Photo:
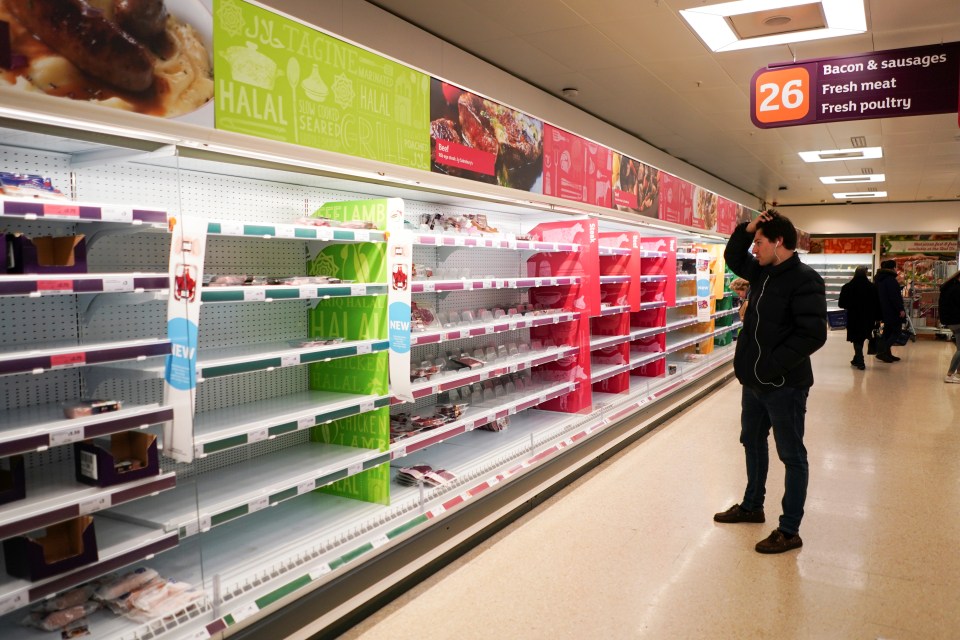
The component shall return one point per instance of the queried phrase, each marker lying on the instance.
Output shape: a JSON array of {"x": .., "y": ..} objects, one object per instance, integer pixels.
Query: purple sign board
[{"x": 885, "y": 84}]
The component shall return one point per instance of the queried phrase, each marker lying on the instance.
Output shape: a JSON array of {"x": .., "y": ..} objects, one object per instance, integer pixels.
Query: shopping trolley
[{"x": 907, "y": 331}]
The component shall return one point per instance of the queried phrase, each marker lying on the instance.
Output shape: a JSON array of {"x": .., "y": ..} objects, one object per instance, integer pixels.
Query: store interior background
[{"x": 643, "y": 77}]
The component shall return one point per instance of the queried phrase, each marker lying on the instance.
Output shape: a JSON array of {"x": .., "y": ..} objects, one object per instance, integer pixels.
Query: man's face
[{"x": 764, "y": 249}]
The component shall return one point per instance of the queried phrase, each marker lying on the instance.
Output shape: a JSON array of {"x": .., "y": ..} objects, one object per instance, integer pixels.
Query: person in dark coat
[
  {"x": 891, "y": 309},
  {"x": 785, "y": 323},
  {"x": 949, "y": 306},
  {"x": 859, "y": 297}
]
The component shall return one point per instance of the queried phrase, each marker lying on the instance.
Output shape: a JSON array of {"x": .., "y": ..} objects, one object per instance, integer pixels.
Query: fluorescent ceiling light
[
  {"x": 714, "y": 26},
  {"x": 832, "y": 155},
  {"x": 860, "y": 194},
  {"x": 854, "y": 179}
]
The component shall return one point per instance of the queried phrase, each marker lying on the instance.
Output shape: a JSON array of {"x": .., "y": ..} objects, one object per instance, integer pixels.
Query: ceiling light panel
[
  {"x": 854, "y": 179},
  {"x": 714, "y": 23},
  {"x": 860, "y": 194},
  {"x": 833, "y": 155}
]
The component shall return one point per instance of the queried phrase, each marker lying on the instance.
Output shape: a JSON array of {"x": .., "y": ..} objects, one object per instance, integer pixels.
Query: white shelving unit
[{"x": 245, "y": 521}]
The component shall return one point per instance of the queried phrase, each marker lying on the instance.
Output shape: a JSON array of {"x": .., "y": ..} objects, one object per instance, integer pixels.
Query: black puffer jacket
[
  {"x": 859, "y": 297},
  {"x": 786, "y": 319},
  {"x": 950, "y": 302},
  {"x": 891, "y": 299}
]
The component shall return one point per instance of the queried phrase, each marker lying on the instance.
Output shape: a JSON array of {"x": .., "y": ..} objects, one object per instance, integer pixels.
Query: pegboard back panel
[
  {"x": 116, "y": 321},
  {"x": 28, "y": 390},
  {"x": 147, "y": 391},
  {"x": 269, "y": 258},
  {"x": 250, "y": 387},
  {"x": 226, "y": 325}
]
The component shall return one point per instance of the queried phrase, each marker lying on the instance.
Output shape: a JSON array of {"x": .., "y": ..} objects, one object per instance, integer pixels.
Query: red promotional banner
[
  {"x": 727, "y": 213},
  {"x": 576, "y": 169},
  {"x": 820, "y": 244},
  {"x": 676, "y": 200}
]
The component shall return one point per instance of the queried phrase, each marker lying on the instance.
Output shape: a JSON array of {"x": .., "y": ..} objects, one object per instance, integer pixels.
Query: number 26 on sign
[{"x": 781, "y": 95}]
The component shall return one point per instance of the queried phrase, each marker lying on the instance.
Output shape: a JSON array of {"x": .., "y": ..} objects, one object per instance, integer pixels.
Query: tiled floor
[{"x": 631, "y": 551}]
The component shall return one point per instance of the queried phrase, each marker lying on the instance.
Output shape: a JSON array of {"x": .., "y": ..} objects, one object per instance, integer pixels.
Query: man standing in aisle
[
  {"x": 891, "y": 307},
  {"x": 786, "y": 321}
]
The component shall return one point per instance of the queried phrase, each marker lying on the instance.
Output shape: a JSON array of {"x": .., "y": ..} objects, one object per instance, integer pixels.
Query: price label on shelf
[
  {"x": 116, "y": 214},
  {"x": 285, "y": 231},
  {"x": 367, "y": 406},
  {"x": 458, "y": 241},
  {"x": 512, "y": 368},
  {"x": 358, "y": 290},
  {"x": 429, "y": 287},
  {"x": 319, "y": 572},
  {"x": 362, "y": 235},
  {"x": 363, "y": 349},
  {"x": 308, "y": 292},
  {"x": 12, "y": 603},
  {"x": 290, "y": 360},
  {"x": 244, "y": 612},
  {"x": 116, "y": 284},
  {"x": 54, "y": 285},
  {"x": 206, "y": 522},
  {"x": 94, "y": 504},
  {"x": 68, "y": 360},
  {"x": 306, "y": 487},
  {"x": 379, "y": 541},
  {"x": 231, "y": 228},
  {"x": 201, "y": 634},
  {"x": 355, "y": 468},
  {"x": 257, "y": 436},
  {"x": 254, "y": 295},
  {"x": 488, "y": 330},
  {"x": 306, "y": 422},
  {"x": 399, "y": 452},
  {"x": 438, "y": 510},
  {"x": 61, "y": 210},
  {"x": 66, "y": 436},
  {"x": 258, "y": 504}
]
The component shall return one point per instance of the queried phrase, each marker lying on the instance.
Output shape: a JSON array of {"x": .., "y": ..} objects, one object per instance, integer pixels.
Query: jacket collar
[{"x": 789, "y": 263}]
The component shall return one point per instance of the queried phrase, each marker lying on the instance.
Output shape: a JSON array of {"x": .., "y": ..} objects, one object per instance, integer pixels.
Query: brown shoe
[
  {"x": 736, "y": 513},
  {"x": 778, "y": 542}
]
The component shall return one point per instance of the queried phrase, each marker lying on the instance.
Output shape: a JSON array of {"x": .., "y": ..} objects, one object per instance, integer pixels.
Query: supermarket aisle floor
[{"x": 631, "y": 551}]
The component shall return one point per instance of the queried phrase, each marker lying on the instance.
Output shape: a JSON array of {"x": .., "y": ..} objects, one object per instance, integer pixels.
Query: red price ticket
[
  {"x": 54, "y": 285},
  {"x": 62, "y": 210},
  {"x": 68, "y": 360}
]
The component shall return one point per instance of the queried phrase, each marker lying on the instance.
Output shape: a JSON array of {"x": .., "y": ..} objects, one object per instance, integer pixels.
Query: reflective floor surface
[{"x": 631, "y": 551}]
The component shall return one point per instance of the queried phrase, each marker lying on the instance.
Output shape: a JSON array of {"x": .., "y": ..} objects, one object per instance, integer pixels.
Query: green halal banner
[{"x": 280, "y": 79}]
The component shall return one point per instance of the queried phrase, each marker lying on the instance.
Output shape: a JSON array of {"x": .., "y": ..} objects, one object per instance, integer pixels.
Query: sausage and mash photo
[{"x": 148, "y": 56}]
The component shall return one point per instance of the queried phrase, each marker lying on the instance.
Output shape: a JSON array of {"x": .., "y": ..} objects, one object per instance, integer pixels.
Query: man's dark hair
[{"x": 779, "y": 227}]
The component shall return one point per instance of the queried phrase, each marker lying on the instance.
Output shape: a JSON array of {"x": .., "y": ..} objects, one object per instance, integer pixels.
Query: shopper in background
[
  {"x": 859, "y": 298},
  {"x": 742, "y": 288},
  {"x": 891, "y": 308},
  {"x": 949, "y": 305},
  {"x": 785, "y": 323}
]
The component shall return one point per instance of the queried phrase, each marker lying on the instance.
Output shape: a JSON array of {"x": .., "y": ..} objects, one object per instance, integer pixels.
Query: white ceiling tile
[
  {"x": 531, "y": 16},
  {"x": 578, "y": 47}
]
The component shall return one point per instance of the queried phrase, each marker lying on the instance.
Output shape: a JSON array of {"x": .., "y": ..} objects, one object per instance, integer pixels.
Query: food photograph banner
[
  {"x": 479, "y": 139},
  {"x": 277, "y": 78},
  {"x": 142, "y": 63},
  {"x": 636, "y": 186},
  {"x": 576, "y": 169}
]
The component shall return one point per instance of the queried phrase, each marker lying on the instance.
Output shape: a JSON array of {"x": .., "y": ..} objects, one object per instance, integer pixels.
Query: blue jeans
[{"x": 782, "y": 409}]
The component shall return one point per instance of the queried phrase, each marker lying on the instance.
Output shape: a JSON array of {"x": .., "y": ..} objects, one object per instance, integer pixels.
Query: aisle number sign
[{"x": 885, "y": 84}]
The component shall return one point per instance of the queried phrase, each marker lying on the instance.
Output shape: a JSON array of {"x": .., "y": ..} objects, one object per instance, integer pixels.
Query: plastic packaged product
[
  {"x": 72, "y": 598},
  {"x": 125, "y": 584},
  {"x": 467, "y": 316},
  {"x": 357, "y": 224},
  {"x": 491, "y": 353},
  {"x": 84, "y": 408},
  {"x": 503, "y": 351},
  {"x": 422, "y": 317},
  {"x": 439, "y": 477},
  {"x": 485, "y": 315},
  {"x": 513, "y": 349},
  {"x": 52, "y": 621},
  {"x": 227, "y": 280},
  {"x": 315, "y": 222},
  {"x": 316, "y": 342},
  {"x": 28, "y": 185},
  {"x": 498, "y": 313}
]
